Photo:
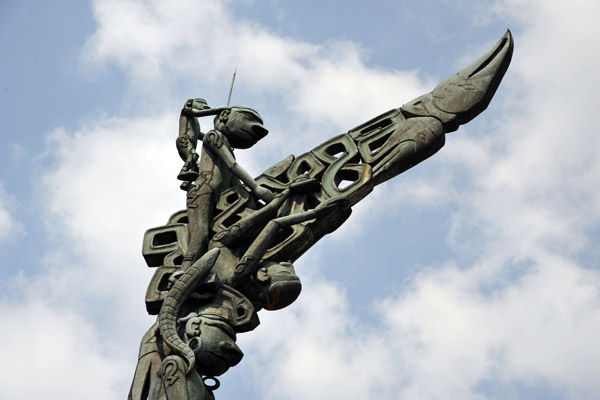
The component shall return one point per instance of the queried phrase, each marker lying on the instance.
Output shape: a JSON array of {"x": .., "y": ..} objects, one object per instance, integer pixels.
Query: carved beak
[
  {"x": 494, "y": 63},
  {"x": 461, "y": 97},
  {"x": 469, "y": 92}
]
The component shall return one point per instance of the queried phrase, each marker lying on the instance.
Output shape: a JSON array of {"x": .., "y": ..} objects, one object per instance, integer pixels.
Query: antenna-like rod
[{"x": 231, "y": 88}]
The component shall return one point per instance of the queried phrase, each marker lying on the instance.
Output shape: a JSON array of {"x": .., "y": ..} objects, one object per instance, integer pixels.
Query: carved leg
[
  {"x": 141, "y": 387},
  {"x": 199, "y": 210},
  {"x": 147, "y": 367}
]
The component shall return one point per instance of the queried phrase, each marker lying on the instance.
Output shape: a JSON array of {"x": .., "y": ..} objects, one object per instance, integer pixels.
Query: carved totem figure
[{"x": 228, "y": 255}]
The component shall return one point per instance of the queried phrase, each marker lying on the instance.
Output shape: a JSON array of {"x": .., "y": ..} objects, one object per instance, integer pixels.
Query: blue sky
[{"x": 474, "y": 275}]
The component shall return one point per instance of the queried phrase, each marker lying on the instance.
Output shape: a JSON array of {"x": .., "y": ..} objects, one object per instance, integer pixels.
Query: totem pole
[{"x": 229, "y": 254}]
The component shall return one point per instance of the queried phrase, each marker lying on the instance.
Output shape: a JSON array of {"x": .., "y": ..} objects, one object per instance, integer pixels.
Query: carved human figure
[{"x": 215, "y": 169}]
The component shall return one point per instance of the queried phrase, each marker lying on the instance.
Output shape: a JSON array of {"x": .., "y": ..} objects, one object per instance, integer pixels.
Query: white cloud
[
  {"x": 18, "y": 152},
  {"x": 442, "y": 337},
  {"x": 537, "y": 330},
  {"x": 112, "y": 181},
  {"x": 56, "y": 354},
  {"x": 9, "y": 225},
  {"x": 325, "y": 87},
  {"x": 109, "y": 183},
  {"x": 317, "y": 349}
]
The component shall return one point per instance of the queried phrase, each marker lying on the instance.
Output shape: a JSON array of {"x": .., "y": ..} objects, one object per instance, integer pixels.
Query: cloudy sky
[{"x": 474, "y": 275}]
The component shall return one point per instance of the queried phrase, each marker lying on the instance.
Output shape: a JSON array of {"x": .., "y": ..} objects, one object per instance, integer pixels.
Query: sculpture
[{"x": 230, "y": 253}]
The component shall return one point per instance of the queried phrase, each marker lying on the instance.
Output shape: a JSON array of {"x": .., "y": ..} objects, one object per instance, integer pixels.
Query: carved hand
[
  {"x": 195, "y": 105},
  {"x": 264, "y": 194}
]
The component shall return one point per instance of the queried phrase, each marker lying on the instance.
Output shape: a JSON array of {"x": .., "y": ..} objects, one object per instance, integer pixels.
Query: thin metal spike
[{"x": 231, "y": 88}]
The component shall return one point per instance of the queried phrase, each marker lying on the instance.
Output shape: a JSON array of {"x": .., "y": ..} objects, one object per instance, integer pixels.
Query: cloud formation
[
  {"x": 441, "y": 338},
  {"x": 9, "y": 225},
  {"x": 322, "y": 86}
]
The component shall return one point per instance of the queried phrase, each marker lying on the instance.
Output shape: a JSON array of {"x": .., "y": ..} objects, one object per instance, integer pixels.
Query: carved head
[
  {"x": 462, "y": 96},
  {"x": 277, "y": 285},
  {"x": 242, "y": 126},
  {"x": 210, "y": 326},
  {"x": 213, "y": 340}
]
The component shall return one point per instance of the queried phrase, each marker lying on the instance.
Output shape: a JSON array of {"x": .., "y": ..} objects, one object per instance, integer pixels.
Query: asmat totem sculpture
[{"x": 229, "y": 254}]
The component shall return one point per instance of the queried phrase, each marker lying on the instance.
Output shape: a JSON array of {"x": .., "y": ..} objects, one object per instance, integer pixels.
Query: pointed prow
[{"x": 461, "y": 97}]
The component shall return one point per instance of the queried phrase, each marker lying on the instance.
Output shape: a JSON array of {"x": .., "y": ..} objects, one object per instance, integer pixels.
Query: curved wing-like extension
[{"x": 182, "y": 288}]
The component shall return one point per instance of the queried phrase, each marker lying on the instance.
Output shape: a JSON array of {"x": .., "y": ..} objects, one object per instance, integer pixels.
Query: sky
[{"x": 474, "y": 275}]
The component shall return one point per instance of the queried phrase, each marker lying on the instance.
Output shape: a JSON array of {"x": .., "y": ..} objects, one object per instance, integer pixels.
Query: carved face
[
  {"x": 242, "y": 126},
  {"x": 277, "y": 285},
  {"x": 213, "y": 341}
]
